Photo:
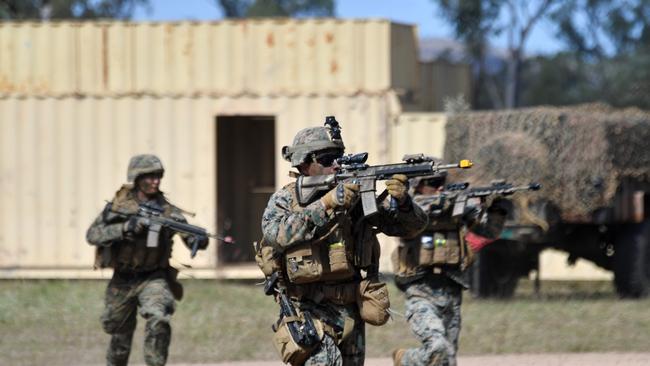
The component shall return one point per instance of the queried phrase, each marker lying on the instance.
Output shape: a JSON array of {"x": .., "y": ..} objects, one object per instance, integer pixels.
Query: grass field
[{"x": 57, "y": 323}]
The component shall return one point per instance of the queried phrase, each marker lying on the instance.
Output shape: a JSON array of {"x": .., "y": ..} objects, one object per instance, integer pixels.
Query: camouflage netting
[{"x": 579, "y": 154}]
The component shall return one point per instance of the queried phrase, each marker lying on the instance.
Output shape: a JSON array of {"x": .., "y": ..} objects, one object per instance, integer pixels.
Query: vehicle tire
[
  {"x": 632, "y": 260},
  {"x": 493, "y": 275}
]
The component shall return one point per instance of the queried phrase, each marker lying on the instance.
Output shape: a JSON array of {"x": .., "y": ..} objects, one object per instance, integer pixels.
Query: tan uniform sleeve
[
  {"x": 106, "y": 229},
  {"x": 284, "y": 227}
]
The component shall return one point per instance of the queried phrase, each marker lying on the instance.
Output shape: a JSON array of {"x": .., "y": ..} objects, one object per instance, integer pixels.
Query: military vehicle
[{"x": 593, "y": 162}]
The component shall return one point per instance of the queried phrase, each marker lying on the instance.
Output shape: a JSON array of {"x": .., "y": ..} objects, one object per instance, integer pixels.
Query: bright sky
[{"x": 422, "y": 13}]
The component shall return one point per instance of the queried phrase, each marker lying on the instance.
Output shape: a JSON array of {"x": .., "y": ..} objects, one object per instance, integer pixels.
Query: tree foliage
[
  {"x": 68, "y": 9},
  {"x": 607, "y": 55},
  {"x": 276, "y": 8},
  {"x": 601, "y": 28},
  {"x": 476, "y": 22},
  {"x": 566, "y": 78}
]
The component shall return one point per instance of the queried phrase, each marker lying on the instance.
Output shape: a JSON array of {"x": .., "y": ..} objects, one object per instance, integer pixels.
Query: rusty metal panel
[{"x": 279, "y": 57}]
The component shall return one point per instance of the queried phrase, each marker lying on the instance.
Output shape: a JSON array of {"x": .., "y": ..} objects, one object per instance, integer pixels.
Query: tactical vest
[
  {"x": 327, "y": 269},
  {"x": 442, "y": 246},
  {"x": 127, "y": 255},
  {"x": 325, "y": 258},
  {"x": 324, "y": 266}
]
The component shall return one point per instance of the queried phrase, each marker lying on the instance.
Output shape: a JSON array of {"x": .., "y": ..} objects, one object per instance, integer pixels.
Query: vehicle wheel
[
  {"x": 493, "y": 274},
  {"x": 632, "y": 260}
]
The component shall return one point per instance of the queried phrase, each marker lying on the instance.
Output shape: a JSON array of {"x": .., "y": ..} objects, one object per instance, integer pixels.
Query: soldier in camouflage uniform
[
  {"x": 330, "y": 253},
  {"x": 142, "y": 279},
  {"x": 431, "y": 269}
]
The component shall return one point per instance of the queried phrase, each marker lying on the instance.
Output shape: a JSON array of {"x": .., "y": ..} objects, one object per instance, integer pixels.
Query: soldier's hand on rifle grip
[
  {"x": 343, "y": 195},
  {"x": 397, "y": 187},
  {"x": 135, "y": 225},
  {"x": 471, "y": 215}
]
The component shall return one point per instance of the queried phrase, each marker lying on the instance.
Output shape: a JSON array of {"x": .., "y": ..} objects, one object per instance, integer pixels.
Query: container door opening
[{"x": 245, "y": 181}]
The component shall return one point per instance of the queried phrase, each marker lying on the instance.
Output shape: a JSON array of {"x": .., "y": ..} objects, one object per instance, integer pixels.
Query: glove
[
  {"x": 397, "y": 187},
  {"x": 471, "y": 215},
  {"x": 135, "y": 225},
  {"x": 487, "y": 231},
  {"x": 344, "y": 195}
]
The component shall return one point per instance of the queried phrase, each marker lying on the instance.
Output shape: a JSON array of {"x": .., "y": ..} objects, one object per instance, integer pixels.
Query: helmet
[
  {"x": 307, "y": 141},
  {"x": 143, "y": 164},
  {"x": 436, "y": 179}
]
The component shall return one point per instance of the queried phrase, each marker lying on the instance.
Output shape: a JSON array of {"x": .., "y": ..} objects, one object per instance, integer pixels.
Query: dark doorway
[{"x": 245, "y": 181}]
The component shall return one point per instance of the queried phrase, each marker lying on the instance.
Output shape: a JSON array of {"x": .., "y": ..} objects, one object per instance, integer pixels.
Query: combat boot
[{"x": 397, "y": 356}]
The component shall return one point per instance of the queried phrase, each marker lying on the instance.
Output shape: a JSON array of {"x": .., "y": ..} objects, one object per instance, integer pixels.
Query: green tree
[
  {"x": 476, "y": 22},
  {"x": 608, "y": 56},
  {"x": 566, "y": 78},
  {"x": 276, "y": 8},
  {"x": 472, "y": 23},
  {"x": 68, "y": 9},
  {"x": 600, "y": 28}
]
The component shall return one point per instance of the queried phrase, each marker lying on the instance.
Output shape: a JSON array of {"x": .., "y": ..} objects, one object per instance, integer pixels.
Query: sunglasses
[{"x": 327, "y": 160}]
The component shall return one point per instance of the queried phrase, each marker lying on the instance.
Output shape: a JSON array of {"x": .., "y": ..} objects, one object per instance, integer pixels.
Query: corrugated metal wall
[
  {"x": 259, "y": 57},
  {"x": 418, "y": 133},
  {"x": 61, "y": 159},
  {"x": 78, "y": 99}
]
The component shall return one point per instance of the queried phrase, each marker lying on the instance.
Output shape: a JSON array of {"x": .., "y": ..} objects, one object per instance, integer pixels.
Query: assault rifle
[
  {"x": 355, "y": 170},
  {"x": 152, "y": 213},
  {"x": 304, "y": 331},
  {"x": 460, "y": 194}
]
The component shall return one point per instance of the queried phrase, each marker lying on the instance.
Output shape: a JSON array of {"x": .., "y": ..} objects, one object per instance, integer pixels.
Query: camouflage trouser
[
  {"x": 350, "y": 350},
  {"x": 434, "y": 316},
  {"x": 156, "y": 305}
]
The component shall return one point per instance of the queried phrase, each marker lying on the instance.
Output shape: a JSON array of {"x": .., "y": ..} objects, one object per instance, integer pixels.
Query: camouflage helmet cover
[
  {"x": 143, "y": 164},
  {"x": 307, "y": 141}
]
